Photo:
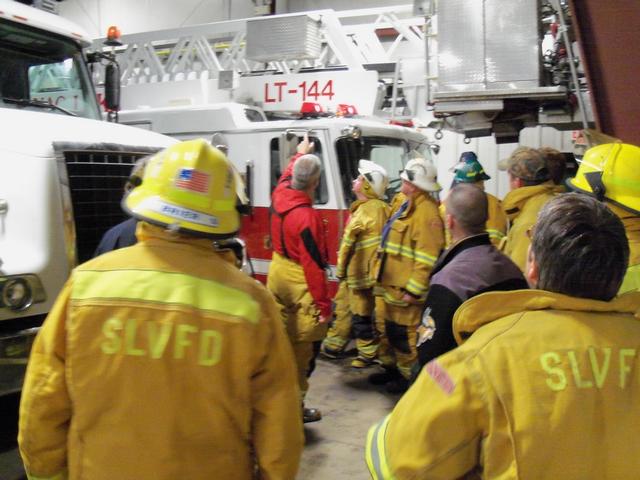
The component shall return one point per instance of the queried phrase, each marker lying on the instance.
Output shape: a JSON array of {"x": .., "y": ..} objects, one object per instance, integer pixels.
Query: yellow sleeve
[
  {"x": 428, "y": 240},
  {"x": 497, "y": 221},
  {"x": 45, "y": 406},
  {"x": 371, "y": 219},
  {"x": 447, "y": 234},
  {"x": 351, "y": 232},
  {"x": 517, "y": 243},
  {"x": 435, "y": 430},
  {"x": 277, "y": 431}
]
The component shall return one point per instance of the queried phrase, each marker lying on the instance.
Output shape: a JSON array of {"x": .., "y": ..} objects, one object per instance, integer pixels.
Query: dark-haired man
[{"x": 544, "y": 383}]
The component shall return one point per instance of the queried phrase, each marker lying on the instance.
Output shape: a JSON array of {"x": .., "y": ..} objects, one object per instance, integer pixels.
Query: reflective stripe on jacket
[
  {"x": 546, "y": 387},
  {"x": 412, "y": 247},
  {"x": 161, "y": 361},
  {"x": 522, "y": 206},
  {"x": 360, "y": 242}
]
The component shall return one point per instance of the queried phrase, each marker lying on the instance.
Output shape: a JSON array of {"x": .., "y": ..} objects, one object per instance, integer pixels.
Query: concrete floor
[{"x": 350, "y": 405}]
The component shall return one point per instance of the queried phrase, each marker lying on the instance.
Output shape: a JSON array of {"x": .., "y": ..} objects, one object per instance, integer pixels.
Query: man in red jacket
[{"x": 297, "y": 275}]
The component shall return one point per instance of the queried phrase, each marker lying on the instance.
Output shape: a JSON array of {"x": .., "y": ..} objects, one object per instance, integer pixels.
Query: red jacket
[{"x": 297, "y": 232}]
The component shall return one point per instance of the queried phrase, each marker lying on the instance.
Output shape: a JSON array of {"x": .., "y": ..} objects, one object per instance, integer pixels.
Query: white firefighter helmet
[
  {"x": 422, "y": 173},
  {"x": 375, "y": 176}
]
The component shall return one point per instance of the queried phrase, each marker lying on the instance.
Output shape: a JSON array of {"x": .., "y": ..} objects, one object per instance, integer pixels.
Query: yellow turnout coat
[{"x": 161, "y": 361}]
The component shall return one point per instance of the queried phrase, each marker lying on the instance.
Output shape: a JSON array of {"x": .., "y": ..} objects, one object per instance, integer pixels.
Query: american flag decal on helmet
[{"x": 194, "y": 180}]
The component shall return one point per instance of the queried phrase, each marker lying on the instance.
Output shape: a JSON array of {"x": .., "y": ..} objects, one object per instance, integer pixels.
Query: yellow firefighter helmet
[
  {"x": 191, "y": 187},
  {"x": 611, "y": 171}
]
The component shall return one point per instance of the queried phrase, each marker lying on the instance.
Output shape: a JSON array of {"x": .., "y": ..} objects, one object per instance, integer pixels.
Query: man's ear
[
  {"x": 449, "y": 221},
  {"x": 531, "y": 270}
]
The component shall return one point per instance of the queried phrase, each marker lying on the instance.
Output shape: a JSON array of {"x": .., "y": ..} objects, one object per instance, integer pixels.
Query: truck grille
[{"x": 96, "y": 184}]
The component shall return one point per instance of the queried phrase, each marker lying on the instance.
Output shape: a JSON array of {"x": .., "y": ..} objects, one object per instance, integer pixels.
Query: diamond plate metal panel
[
  {"x": 488, "y": 45},
  {"x": 460, "y": 45},
  {"x": 512, "y": 45},
  {"x": 295, "y": 37}
]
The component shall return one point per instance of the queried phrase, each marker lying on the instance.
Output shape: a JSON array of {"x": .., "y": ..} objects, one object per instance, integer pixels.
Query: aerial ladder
[{"x": 375, "y": 56}]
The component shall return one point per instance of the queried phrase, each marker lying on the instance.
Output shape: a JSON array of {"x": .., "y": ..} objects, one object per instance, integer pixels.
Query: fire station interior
[{"x": 379, "y": 80}]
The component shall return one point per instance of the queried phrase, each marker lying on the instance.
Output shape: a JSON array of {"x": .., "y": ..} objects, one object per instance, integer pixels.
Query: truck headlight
[
  {"x": 16, "y": 294},
  {"x": 19, "y": 292}
]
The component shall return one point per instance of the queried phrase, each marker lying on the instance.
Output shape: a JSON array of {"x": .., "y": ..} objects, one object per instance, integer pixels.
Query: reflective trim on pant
[
  {"x": 375, "y": 453},
  {"x": 339, "y": 332},
  {"x": 367, "y": 348}
]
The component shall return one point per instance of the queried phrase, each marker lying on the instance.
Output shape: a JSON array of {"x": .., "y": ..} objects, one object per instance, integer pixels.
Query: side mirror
[
  {"x": 112, "y": 87},
  {"x": 245, "y": 207}
]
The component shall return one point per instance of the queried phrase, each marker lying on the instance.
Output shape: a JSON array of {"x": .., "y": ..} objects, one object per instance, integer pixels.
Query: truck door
[{"x": 281, "y": 146}]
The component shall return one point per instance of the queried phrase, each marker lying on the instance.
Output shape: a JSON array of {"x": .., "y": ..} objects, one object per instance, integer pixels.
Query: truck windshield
[
  {"x": 39, "y": 70},
  {"x": 390, "y": 153}
]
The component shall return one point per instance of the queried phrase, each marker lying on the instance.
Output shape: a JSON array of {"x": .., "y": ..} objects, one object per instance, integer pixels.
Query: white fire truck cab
[{"x": 62, "y": 171}]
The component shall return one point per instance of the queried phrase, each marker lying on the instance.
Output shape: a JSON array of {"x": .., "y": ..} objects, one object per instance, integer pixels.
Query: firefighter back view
[
  {"x": 611, "y": 173},
  {"x": 163, "y": 360}
]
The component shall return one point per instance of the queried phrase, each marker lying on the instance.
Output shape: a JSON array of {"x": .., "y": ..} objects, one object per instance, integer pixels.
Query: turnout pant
[
  {"x": 397, "y": 326},
  {"x": 361, "y": 303},
  {"x": 287, "y": 283},
  {"x": 339, "y": 332}
]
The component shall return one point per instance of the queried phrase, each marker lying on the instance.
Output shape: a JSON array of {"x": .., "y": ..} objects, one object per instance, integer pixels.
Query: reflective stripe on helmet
[{"x": 155, "y": 204}]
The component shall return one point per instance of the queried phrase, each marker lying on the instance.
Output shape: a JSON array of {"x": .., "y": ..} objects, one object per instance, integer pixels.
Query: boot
[
  {"x": 389, "y": 374},
  {"x": 311, "y": 415},
  {"x": 330, "y": 353},
  {"x": 398, "y": 385}
]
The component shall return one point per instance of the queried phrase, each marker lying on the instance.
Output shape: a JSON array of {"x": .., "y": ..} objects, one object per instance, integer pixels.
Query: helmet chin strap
[
  {"x": 368, "y": 191},
  {"x": 594, "y": 179}
]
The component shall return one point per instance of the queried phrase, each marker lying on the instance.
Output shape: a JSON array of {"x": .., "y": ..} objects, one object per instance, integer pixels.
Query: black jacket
[
  {"x": 470, "y": 267},
  {"x": 120, "y": 236}
]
